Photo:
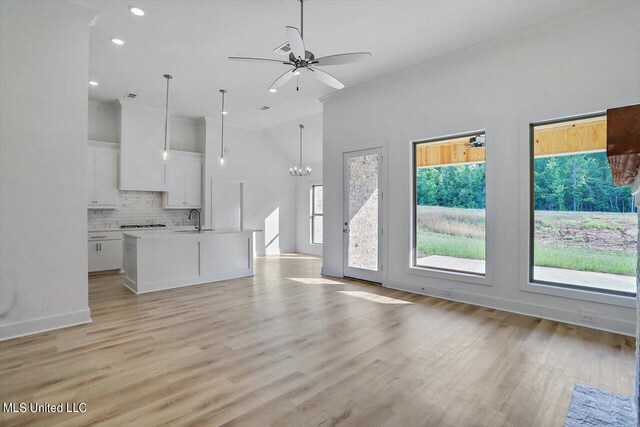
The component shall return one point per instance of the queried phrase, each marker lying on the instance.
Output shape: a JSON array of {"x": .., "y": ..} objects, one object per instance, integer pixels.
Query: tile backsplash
[{"x": 137, "y": 207}]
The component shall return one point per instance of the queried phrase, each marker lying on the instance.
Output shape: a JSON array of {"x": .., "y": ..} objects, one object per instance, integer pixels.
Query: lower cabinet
[{"x": 105, "y": 254}]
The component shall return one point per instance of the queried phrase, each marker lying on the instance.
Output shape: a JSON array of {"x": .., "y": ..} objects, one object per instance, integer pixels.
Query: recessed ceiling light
[
  {"x": 93, "y": 83},
  {"x": 136, "y": 11},
  {"x": 272, "y": 90},
  {"x": 225, "y": 113},
  {"x": 117, "y": 41}
]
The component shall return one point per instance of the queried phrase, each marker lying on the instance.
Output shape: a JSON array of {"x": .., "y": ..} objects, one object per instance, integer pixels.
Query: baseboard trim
[
  {"x": 307, "y": 253},
  {"x": 331, "y": 272},
  {"x": 44, "y": 324},
  {"x": 618, "y": 326}
]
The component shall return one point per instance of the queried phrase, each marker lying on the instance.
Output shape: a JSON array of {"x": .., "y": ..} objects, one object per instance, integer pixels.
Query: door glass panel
[{"x": 363, "y": 212}]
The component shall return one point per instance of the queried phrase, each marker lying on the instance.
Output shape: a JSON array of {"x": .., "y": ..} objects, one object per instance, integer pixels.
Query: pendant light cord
[
  {"x": 166, "y": 112},
  {"x": 301, "y": 127}
]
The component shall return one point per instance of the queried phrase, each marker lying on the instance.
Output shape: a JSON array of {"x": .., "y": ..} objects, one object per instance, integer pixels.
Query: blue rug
[{"x": 593, "y": 407}]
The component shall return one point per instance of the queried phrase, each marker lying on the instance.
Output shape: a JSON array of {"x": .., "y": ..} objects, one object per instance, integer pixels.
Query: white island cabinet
[{"x": 158, "y": 260}]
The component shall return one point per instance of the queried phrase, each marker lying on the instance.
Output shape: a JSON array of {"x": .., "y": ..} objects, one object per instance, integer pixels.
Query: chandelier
[{"x": 298, "y": 170}]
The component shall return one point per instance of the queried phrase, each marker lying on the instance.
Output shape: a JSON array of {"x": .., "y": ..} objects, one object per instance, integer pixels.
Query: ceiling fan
[{"x": 300, "y": 58}]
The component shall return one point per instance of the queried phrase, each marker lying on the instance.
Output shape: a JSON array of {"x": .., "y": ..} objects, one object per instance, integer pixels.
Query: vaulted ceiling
[{"x": 192, "y": 39}]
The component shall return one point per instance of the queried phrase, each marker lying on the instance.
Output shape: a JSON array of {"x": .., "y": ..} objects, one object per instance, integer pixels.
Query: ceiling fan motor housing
[{"x": 309, "y": 57}]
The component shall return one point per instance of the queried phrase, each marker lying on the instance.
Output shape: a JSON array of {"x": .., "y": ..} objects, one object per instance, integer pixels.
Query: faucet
[{"x": 199, "y": 226}]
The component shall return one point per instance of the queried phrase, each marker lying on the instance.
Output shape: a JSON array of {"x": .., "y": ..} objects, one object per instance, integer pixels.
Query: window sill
[
  {"x": 579, "y": 294},
  {"x": 449, "y": 275}
]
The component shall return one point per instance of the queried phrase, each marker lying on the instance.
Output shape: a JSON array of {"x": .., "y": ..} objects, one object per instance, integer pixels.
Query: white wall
[
  {"x": 269, "y": 192},
  {"x": 579, "y": 64},
  {"x": 104, "y": 121},
  {"x": 104, "y": 125},
  {"x": 184, "y": 135},
  {"x": 287, "y": 137},
  {"x": 44, "y": 59}
]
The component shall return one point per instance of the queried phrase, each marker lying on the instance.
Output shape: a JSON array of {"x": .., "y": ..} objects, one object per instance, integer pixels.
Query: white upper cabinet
[
  {"x": 141, "y": 146},
  {"x": 184, "y": 180},
  {"x": 102, "y": 175}
]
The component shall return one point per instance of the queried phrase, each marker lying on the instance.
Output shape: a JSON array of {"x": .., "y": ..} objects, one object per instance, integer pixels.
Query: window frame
[
  {"x": 556, "y": 288},
  {"x": 313, "y": 214},
  {"x": 445, "y": 273}
]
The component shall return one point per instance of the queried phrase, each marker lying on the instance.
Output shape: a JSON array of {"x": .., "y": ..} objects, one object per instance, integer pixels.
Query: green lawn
[
  {"x": 599, "y": 260},
  {"x": 447, "y": 245},
  {"x": 575, "y": 241}
]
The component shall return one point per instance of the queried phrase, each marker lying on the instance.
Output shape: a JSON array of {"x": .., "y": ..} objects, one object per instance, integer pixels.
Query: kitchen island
[{"x": 163, "y": 259}]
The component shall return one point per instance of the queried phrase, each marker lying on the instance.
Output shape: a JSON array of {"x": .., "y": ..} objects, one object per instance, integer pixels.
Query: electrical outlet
[{"x": 588, "y": 316}]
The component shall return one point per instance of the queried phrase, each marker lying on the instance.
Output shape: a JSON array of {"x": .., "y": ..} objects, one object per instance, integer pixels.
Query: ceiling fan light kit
[{"x": 300, "y": 58}]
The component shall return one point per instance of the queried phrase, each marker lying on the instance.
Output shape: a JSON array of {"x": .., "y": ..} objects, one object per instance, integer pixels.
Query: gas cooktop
[{"x": 143, "y": 226}]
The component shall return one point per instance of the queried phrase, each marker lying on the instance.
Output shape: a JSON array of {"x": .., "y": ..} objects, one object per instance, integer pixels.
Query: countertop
[
  {"x": 122, "y": 230},
  {"x": 142, "y": 234}
]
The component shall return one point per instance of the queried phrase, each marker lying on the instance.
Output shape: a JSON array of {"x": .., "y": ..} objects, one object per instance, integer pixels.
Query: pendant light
[
  {"x": 223, "y": 113},
  {"x": 165, "y": 153},
  {"x": 297, "y": 170}
]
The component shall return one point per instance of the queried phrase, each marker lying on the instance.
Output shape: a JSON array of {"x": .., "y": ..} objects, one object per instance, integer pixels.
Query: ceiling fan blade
[
  {"x": 281, "y": 80},
  {"x": 295, "y": 42},
  {"x": 326, "y": 78},
  {"x": 343, "y": 58},
  {"x": 247, "y": 59}
]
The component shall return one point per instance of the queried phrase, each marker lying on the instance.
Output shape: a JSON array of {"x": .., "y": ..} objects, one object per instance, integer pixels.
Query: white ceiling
[{"x": 192, "y": 39}]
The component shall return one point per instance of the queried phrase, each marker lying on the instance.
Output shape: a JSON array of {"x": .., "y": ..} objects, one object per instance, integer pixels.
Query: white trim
[
  {"x": 585, "y": 295},
  {"x": 512, "y": 306},
  {"x": 180, "y": 154},
  {"x": 103, "y": 145},
  {"x": 44, "y": 324},
  {"x": 454, "y": 276}
]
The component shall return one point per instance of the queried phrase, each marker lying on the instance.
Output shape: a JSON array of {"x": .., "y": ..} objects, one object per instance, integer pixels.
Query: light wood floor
[{"x": 291, "y": 348}]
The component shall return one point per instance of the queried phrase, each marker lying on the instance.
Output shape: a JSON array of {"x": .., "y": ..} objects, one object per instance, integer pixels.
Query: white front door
[{"x": 362, "y": 223}]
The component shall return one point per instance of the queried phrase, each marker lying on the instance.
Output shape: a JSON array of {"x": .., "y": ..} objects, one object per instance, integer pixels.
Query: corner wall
[
  {"x": 582, "y": 63},
  {"x": 269, "y": 192},
  {"x": 44, "y": 60},
  {"x": 286, "y": 136}
]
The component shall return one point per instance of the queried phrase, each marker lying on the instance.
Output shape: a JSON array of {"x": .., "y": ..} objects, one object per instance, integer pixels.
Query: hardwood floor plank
[{"x": 289, "y": 347}]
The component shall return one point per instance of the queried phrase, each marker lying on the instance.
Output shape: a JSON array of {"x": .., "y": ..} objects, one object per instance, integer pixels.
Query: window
[
  {"x": 583, "y": 228},
  {"x": 449, "y": 204},
  {"x": 316, "y": 214}
]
